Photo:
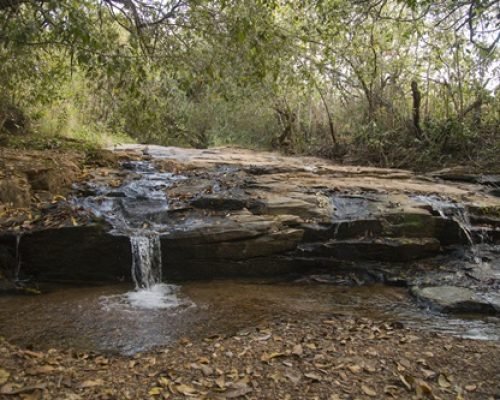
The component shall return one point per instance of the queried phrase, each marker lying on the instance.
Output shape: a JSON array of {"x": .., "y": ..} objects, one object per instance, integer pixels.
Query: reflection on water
[{"x": 114, "y": 318}]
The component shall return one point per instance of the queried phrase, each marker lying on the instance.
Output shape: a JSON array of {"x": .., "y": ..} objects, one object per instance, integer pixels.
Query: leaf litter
[{"x": 346, "y": 358}]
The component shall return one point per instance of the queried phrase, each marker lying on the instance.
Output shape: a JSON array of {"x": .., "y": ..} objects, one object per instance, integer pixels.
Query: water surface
[{"x": 118, "y": 319}]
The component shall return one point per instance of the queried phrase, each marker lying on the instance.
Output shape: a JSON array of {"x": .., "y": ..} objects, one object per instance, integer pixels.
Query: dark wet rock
[
  {"x": 8, "y": 260},
  {"x": 383, "y": 249},
  {"x": 75, "y": 254},
  {"x": 271, "y": 266},
  {"x": 490, "y": 179},
  {"x": 495, "y": 192},
  {"x": 219, "y": 202},
  {"x": 456, "y": 299},
  {"x": 252, "y": 247}
]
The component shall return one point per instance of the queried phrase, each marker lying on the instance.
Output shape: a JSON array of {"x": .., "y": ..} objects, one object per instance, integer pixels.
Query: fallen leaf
[
  {"x": 428, "y": 374},
  {"x": 407, "y": 381},
  {"x": 443, "y": 381},
  {"x": 163, "y": 381},
  {"x": 293, "y": 376},
  {"x": 4, "y": 376},
  {"x": 470, "y": 388},
  {"x": 233, "y": 394},
  {"x": 185, "y": 389},
  {"x": 44, "y": 369},
  {"x": 297, "y": 350},
  {"x": 422, "y": 389},
  {"x": 155, "y": 391},
  {"x": 17, "y": 389},
  {"x": 267, "y": 357},
  {"x": 368, "y": 391},
  {"x": 91, "y": 383},
  {"x": 313, "y": 376},
  {"x": 221, "y": 382},
  {"x": 354, "y": 368}
]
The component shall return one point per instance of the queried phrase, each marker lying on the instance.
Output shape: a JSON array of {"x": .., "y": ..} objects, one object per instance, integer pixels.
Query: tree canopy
[{"x": 365, "y": 78}]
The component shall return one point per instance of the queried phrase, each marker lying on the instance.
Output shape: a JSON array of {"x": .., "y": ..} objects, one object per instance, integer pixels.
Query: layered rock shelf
[{"x": 234, "y": 212}]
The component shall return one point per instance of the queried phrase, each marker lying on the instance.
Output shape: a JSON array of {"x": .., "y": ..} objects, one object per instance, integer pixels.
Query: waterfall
[
  {"x": 138, "y": 209},
  {"x": 146, "y": 260},
  {"x": 457, "y": 213}
]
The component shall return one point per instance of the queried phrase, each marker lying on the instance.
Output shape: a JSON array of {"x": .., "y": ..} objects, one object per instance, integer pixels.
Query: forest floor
[{"x": 323, "y": 357}]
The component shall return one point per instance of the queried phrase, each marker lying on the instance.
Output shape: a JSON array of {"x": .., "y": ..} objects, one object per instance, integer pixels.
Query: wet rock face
[
  {"x": 231, "y": 212},
  {"x": 75, "y": 254}
]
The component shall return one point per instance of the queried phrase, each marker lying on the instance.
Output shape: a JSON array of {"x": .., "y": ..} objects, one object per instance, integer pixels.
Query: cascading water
[
  {"x": 146, "y": 261},
  {"x": 138, "y": 208},
  {"x": 458, "y": 213}
]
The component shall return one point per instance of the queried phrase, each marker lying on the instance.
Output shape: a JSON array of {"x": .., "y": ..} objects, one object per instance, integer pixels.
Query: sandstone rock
[
  {"x": 265, "y": 245},
  {"x": 456, "y": 299},
  {"x": 378, "y": 249}
]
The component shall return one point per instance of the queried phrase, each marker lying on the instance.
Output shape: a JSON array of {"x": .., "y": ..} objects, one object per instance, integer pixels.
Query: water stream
[
  {"x": 138, "y": 208},
  {"x": 118, "y": 319},
  {"x": 108, "y": 319},
  {"x": 146, "y": 261}
]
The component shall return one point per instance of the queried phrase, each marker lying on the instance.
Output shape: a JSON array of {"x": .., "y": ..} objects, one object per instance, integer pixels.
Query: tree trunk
[{"x": 417, "y": 97}]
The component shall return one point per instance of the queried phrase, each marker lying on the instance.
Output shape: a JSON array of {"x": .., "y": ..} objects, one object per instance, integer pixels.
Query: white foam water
[{"x": 160, "y": 296}]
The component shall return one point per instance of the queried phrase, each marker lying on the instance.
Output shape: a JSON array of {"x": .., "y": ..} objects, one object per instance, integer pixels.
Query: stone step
[{"x": 376, "y": 249}]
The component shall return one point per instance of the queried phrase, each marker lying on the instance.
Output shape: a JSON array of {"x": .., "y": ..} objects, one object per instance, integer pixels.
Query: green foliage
[{"x": 294, "y": 75}]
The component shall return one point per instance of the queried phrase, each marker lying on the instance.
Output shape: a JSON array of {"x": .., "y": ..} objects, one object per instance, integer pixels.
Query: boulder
[{"x": 456, "y": 299}]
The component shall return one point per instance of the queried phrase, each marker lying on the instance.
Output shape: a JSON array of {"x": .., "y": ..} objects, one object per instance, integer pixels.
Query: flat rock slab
[{"x": 456, "y": 299}]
